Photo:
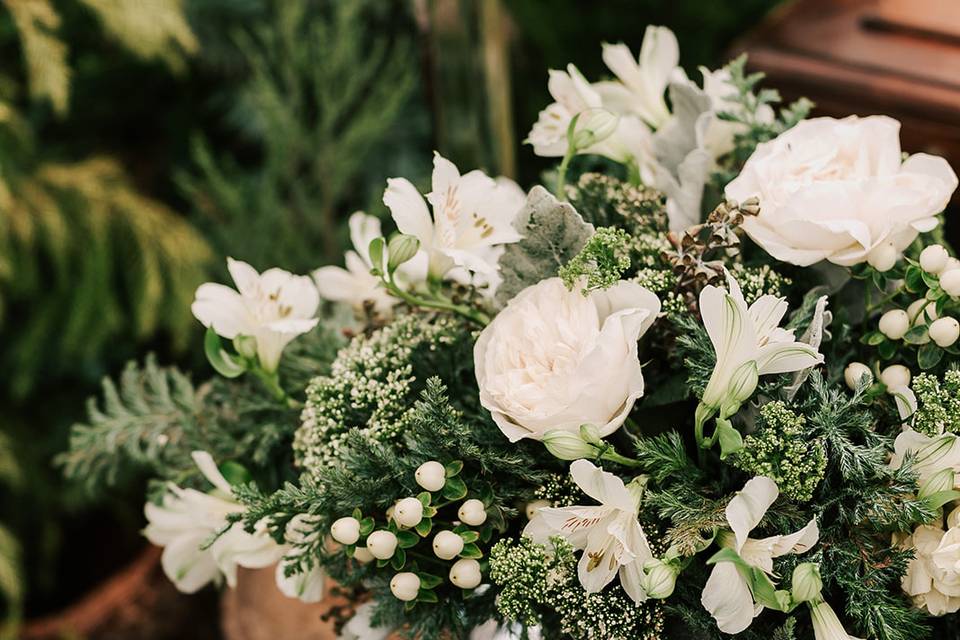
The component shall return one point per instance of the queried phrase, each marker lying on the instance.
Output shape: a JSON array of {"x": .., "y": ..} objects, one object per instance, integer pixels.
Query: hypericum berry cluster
[
  {"x": 781, "y": 450},
  {"x": 372, "y": 387},
  {"x": 416, "y": 520},
  {"x": 939, "y": 403},
  {"x": 541, "y": 587}
]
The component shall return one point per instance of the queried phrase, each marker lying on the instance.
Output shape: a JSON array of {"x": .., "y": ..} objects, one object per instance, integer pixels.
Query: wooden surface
[{"x": 895, "y": 57}]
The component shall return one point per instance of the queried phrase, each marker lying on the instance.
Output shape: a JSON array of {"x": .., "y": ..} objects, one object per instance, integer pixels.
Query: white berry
[
  {"x": 894, "y": 324},
  {"x": 431, "y": 476},
  {"x": 472, "y": 513},
  {"x": 883, "y": 257},
  {"x": 405, "y": 586},
  {"x": 465, "y": 573},
  {"x": 934, "y": 258},
  {"x": 362, "y": 555},
  {"x": 533, "y": 507},
  {"x": 408, "y": 512},
  {"x": 950, "y": 282},
  {"x": 447, "y": 545},
  {"x": 945, "y": 332},
  {"x": 896, "y": 375},
  {"x": 929, "y": 311},
  {"x": 855, "y": 372},
  {"x": 346, "y": 530},
  {"x": 382, "y": 544}
]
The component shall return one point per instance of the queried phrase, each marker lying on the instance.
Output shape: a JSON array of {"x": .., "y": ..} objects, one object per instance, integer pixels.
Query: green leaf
[
  {"x": 471, "y": 551},
  {"x": 929, "y": 356},
  {"x": 428, "y": 580},
  {"x": 424, "y": 497},
  {"x": 454, "y": 489},
  {"x": 917, "y": 335},
  {"x": 235, "y": 473},
  {"x": 407, "y": 539},
  {"x": 426, "y": 595},
  {"x": 730, "y": 439},
  {"x": 469, "y": 536},
  {"x": 887, "y": 349},
  {"x": 553, "y": 233},
  {"x": 932, "y": 281},
  {"x": 429, "y": 512},
  {"x": 366, "y": 525},
  {"x": 357, "y": 513},
  {"x": 453, "y": 468},
  {"x": 914, "y": 279},
  {"x": 873, "y": 338},
  {"x": 940, "y": 498},
  {"x": 222, "y": 362},
  {"x": 424, "y": 527},
  {"x": 398, "y": 560}
]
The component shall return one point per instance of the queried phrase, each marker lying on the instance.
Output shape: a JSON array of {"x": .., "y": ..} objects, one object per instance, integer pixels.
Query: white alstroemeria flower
[
  {"x": 727, "y": 595},
  {"x": 188, "y": 519},
  {"x": 645, "y": 80},
  {"x": 609, "y": 534},
  {"x": 273, "y": 307},
  {"x": 748, "y": 343},
  {"x": 826, "y": 624},
  {"x": 930, "y": 455},
  {"x": 355, "y": 285},
  {"x": 471, "y": 214},
  {"x": 621, "y": 137}
]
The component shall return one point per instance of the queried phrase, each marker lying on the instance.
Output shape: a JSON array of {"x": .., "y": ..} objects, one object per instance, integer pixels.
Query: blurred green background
[{"x": 141, "y": 141}]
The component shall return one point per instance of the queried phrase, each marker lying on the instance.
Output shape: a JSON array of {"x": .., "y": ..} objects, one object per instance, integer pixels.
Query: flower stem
[
  {"x": 613, "y": 456},
  {"x": 562, "y": 172},
  {"x": 438, "y": 303},
  {"x": 272, "y": 382}
]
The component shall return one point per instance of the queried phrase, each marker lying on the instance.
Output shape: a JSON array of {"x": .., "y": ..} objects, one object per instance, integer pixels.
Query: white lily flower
[
  {"x": 188, "y": 519},
  {"x": 826, "y": 624},
  {"x": 355, "y": 285},
  {"x": 930, "y": 454},
  {"x": 748, "y": 343},
  {"x": 645, "y": 80},
  {"x": 719, "y": 134},
  {"x": 621, "y": 137},
  {"x": 472, "y": 213},
  {"x": 273, "y": 307},
  {"x": 727, "y": 594},
  {"x": 609, "y": 534}
]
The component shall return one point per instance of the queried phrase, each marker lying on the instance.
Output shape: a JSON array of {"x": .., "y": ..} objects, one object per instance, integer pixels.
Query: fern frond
[{"x": 45, "y": 55}]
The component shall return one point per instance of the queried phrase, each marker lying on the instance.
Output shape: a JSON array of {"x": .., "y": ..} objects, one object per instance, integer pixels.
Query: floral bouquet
[{"x": 705, "y": 384}]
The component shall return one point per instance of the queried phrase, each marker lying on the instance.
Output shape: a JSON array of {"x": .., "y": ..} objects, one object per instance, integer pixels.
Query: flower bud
[
  {"x": 929, "y": 312},
  {"x": 346, "y": 530},
  {"x": 465, "y": 573},
  {"x": 942, "y": 480},
  {"x": 934, "y": 258},
  {"x": 593, "y": 126},
  {"x": 472, "y": 512},
  {"x": 400, "y": 249},
  {"x": 883, "y": 257},
  {"x": 944, "y": 332},
  {"x": 743, "y": 383},
  {"x": 534, "y": 507},
  {"x": 894, "y": 324},
  {"x": 950, "y": 282},
  {"x": 431, "y": 476},
  {"x": 807, "y": 584},
  {"x": 408, "y": 512},
  {"x": 567, "y": 446},
  {"x": 246, "y": 346},
  {"x": 447, "y": 545},
  {"x": 382, "y": 544},
  {"x": 405, "y": 586},
  {"x": 591, "y": 435},
  {"x": 659, "y": 580},
  {"x": 855, "y": 372},
  {"x": 894, "y": 376}
]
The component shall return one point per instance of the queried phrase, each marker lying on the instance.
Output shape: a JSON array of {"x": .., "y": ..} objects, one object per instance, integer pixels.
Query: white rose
[
  {"x": 556, "y": 359},
  {"x": 933, "y": 575},
  {"x": 836, "y": 189}
]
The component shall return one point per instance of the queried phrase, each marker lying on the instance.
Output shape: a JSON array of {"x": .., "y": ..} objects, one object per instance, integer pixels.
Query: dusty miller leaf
[{"x": 553, "y": 233}]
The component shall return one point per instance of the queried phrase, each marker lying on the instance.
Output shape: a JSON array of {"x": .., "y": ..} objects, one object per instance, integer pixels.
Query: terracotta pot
[
  {"x": 257, "y": 610},
  {"x": 136, "y": 602},
  {"x": 122, "y": 597}
]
